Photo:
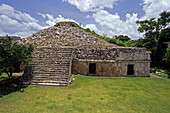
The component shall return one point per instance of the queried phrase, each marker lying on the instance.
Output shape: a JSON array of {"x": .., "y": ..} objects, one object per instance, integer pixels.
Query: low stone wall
[{"x": 111, "y": 68}]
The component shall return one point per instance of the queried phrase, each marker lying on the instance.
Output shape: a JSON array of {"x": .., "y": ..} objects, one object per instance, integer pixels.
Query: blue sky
[{"x": 112, "y": 17}]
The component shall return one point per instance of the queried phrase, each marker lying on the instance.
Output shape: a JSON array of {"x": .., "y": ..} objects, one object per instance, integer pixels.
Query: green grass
[{"x": 93, "y": 94}]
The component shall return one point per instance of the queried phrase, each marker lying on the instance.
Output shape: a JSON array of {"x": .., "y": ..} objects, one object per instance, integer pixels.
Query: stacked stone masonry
[
  {"x": 117, "y": 54},
  {"x": 111, "y": 61},
  {"x": 49, "y": 66}
]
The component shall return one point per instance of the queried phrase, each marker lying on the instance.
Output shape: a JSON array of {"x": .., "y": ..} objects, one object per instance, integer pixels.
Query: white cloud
[
  {"x": 88, "y": 16},
  {"x": 153, "y": 8},
  {"x": 52, "y": 21},
  {"x": 13, "y": 27},
  {"x": 92, "y": 5},
  {"x": 8, "y": 23},
  {"x": 12, "y": 13},
  {"x": 13, "y": 22},
  {"x": 2, "y": 33},
  {"x": 93, "y": 27},
  {"x": 113, "y": 25}
]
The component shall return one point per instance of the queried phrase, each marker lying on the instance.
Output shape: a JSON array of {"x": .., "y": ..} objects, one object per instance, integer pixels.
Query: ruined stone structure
[
  {"x": 111, "y": 61},
  {"x": 66, "y": 48}
]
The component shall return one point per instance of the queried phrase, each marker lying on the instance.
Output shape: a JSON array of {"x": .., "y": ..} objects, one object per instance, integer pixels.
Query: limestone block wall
[
  {"x": 111, "y": 68},
  {"x": 137, "y": 56},
  {"x": 117, "y": 54}
]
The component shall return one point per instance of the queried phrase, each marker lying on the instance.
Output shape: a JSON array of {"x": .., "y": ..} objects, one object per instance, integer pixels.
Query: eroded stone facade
[
  {"x": 111, "y": 68},
  {"x": 111, "y": 61}
]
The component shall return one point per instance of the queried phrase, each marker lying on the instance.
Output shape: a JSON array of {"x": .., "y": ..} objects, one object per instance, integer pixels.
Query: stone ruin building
[{"x": 66, "y": 49}]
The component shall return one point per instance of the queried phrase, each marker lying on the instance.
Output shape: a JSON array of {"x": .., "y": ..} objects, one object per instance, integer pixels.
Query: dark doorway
[
  {"x": 92, "y": 68},
  {"x": 130, "y": 69}
]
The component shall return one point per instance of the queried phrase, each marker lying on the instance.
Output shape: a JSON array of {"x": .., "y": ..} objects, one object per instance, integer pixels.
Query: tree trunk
[{"x": 10, "y": 73}]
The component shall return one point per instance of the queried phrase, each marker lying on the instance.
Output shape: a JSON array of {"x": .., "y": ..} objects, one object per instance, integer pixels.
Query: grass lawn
[{"x": 93, "y": 94}]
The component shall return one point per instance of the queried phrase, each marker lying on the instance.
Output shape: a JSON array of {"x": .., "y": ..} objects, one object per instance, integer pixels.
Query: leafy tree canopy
[
  {"x": 122, "y": 38},
  {"x": 12, "y": 54},
  {"x": 156, "y": 36}
]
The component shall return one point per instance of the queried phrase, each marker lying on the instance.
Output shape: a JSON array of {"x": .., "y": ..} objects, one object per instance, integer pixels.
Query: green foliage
[
  {"x": 161, "y": 72},
  {"x": 119, "y": 42},
  {"x": 122, "y": 38},
  {"x": 12, "y": 55},
  {"x": 156, "y": 35},
  {"x": 87, "y": 29},
  {"x": 167, "y": 54}
]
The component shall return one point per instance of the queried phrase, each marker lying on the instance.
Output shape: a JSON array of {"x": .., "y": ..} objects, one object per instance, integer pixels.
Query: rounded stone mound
[{"x": 66, "y": 34}]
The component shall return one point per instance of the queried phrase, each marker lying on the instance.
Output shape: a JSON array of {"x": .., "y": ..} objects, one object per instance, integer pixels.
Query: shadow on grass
[{"x": 8, "y": 86}]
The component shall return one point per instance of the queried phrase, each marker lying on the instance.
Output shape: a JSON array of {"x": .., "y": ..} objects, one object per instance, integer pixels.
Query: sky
[{"x": 111, "y": 17}]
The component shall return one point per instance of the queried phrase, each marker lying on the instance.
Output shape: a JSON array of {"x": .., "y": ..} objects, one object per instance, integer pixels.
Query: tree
[
  {"x": 122, "y": 38},
  {"x": 167, "y": 54},
  {"x": 156, "y": 35},
  {"x": 12, "y": 55}
]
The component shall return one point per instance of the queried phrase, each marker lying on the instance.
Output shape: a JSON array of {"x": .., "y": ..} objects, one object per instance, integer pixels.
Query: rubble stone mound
[{"x": 68, "y": 34}]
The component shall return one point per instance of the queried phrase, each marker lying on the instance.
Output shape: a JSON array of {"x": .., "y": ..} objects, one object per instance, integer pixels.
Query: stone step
[
  {"x": 51, "y": 69},
  {"x": 48, "y": 72},
  {"x": 41, "y": 62},
  {"x": 36, "y": 50},
  {"x": 48, "y": 62},
  {"x": 50, "y": 84},
  {"x": 52, "y": 76},
  {"x": 49, "y": 59},
  {"x": 57, "y": 68},
  {"x": 51, "y": 55},
  {"x": 50, "y": 66},
  {"x": 50, "y": 48},
  {"x": 53, "y": 49},
  {"x": 52, "y": 79},
  {"x": 48, "y": 81},
  {"x": 57, "y": 75},
  {"x": 47, "y": 77}
]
